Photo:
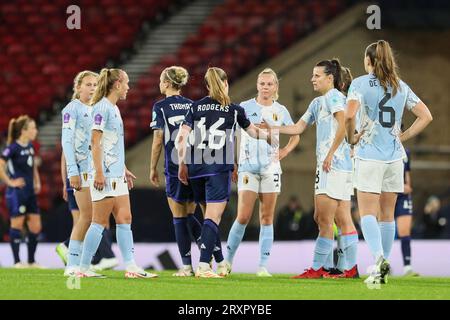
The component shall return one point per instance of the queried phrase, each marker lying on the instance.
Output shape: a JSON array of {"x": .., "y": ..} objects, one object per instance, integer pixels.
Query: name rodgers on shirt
[{"x": 212, "y": 107}]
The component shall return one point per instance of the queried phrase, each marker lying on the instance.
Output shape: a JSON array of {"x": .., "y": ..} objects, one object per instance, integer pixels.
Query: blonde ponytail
[
  {"x": 105, "y": 83},
  {"x": 215, "y": 78}
]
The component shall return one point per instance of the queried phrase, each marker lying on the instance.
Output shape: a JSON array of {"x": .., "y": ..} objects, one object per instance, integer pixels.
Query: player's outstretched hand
[{"x": 263, "y": 125}]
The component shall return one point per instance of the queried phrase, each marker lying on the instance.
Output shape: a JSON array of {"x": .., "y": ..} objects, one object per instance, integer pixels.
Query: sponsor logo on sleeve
[
  {"x": 98, "y": 119},
  {"x": 66, "y": 117},
  {"x": 6, "y": 152}
]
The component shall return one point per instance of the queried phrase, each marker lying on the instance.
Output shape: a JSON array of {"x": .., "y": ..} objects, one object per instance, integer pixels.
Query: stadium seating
[
  {"x": 237, "y": 36},
  {"x": 38, "y": 68}
]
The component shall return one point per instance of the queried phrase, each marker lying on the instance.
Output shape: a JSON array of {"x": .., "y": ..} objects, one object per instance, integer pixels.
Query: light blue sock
[
  {"x": 74, "y": 254},
  {"x": 350, "y": 249},
  {"x": 341, "y": 263},
  {"x": 265, "y": 244},
  {"x": 234, "y": 239},
  {"x": 372, "y": 235},
  {"x": 321, "y": 252},
  {"x": 329, "y": 263},
  {"x": 90, "y": 245},
  {"x": 125, "y": 242},
  {"x": 387, "y": 230}
]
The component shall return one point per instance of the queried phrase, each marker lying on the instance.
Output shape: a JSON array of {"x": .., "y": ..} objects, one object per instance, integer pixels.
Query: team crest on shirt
[
  {"x": 275, "y": 117},
  {"x": 245, "y": 180},
  {"x": 98, "y": 119}
]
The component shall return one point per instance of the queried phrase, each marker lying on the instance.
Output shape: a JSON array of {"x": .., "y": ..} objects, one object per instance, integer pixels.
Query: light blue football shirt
[
  {"x": 76, "y": 137},
  {"x": 257, "y": 156},
  {"x": 321, "y": 112},
  {"x": 107, "y": 119},
  {"x": 380, "y": 116}
]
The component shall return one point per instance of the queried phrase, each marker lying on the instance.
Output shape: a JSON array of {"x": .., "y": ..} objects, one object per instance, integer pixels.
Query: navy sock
[
  {"x": 209, "y": 236},
  {"x": 195, "y": 227},
  {"x": 15, "y": 238},
  {"x": 96, "y": 258},
  {"x": 66, "y": 242},
  {"x": 217, "y": 253},
  {"x": 32, "y": 245},
  {"x": 183, "y": 239},
  {"x": 406, "y": 250}
]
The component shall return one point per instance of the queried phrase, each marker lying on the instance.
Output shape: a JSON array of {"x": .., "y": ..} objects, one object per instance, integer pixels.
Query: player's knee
[
  {"x": 324, "y": 223},
  {"x": 124, "y": 219},
  {"x": 17, "y": 224},
  {"x": 243, "y": 218},
  {"x": 266, "y": 220},
  {"x": 403, "y": 232},
  {"x": 84, "y": 221},
  {"x": 35, "y": 228}
]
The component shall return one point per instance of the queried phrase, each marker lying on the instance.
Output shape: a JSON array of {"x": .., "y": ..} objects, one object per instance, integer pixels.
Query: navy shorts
[
  {"x": 216, "y": 188},
  {"x": 72, "y": 202},
  {"x": 177, "y": 191},
  {"x": 404, "y": 206},
  {"x": 21, "y": 202}
]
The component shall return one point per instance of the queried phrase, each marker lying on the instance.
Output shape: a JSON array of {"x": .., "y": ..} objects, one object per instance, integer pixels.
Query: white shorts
[
  {"x": 377, "y": 177},
  {"x": 259, "y": 183},
  {"x": 335, "y": 184},
  {"x": 114, "y": 187}
]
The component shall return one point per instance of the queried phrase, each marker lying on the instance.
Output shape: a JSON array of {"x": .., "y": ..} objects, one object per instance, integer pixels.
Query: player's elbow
[
  {"x": 348, "y": 116},
  {"x": 428, "y": 117}
]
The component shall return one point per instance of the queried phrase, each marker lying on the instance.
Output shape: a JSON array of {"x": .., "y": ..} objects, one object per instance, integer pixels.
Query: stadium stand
[{"x": 38, "y": 68}]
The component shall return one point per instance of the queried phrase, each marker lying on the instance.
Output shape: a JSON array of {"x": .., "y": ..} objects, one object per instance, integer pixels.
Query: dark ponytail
[
  {"x": 347, "y": 79},
  {"x": 334, "y": 68}
]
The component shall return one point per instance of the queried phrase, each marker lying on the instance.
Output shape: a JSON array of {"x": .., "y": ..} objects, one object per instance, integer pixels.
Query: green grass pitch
[{"x": 50, "y": 284}]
